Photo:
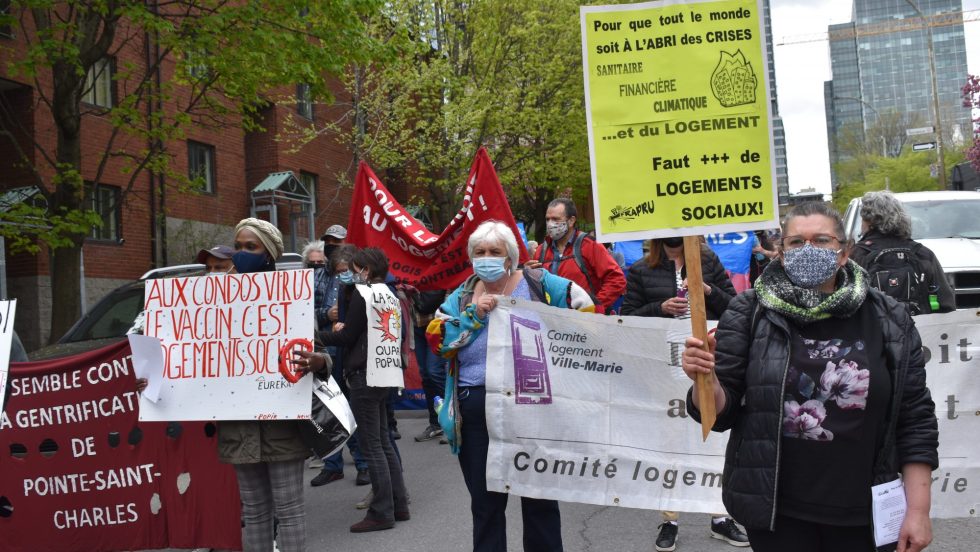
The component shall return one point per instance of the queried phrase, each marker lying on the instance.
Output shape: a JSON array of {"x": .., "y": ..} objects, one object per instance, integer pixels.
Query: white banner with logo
[
  {"x": 221, "y": 336},
  {"x": 384, "y": 336},
  {"x": 591, "y": 409}
]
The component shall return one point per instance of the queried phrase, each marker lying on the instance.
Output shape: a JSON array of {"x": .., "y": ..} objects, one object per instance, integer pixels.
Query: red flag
[{"x": 416, "y": 255}]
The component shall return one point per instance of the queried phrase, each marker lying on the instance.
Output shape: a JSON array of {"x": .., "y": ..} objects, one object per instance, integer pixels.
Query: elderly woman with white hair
[
  {"x": 459, "y": 333},
  {"x": 899, "y": 266}
]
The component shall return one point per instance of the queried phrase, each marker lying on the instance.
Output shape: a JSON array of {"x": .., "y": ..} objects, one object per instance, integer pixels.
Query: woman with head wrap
[{"x": 268, "y": 455}]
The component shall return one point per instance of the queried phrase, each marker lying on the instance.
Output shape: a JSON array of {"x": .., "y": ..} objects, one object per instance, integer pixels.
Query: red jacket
[{"x": 607, "y": 278}]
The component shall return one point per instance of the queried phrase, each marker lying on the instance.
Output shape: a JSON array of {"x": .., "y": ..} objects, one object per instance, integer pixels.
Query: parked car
[
  {"x": 948, "y": 223},
  {"x": 111, "y": 318}
]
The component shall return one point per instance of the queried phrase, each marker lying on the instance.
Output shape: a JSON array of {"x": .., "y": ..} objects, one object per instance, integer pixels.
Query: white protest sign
[
  {"x": 951, "y": 344},
  {"x": 221, "y": 336},
  {"x": 591, "y": 409},
  {"x": 7, "y": 310},
  {"x": 384, "y": 336},
  {"x": 587, "y": 409}
]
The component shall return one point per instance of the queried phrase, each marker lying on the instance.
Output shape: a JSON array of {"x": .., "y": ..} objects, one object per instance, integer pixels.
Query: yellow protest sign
[{"x": 677, "y": 101}]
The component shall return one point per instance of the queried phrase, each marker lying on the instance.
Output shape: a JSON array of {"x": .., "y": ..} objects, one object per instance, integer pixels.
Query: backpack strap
[
  {"x": 580, "y": 261},
  {"x": 467, "y": 294}
]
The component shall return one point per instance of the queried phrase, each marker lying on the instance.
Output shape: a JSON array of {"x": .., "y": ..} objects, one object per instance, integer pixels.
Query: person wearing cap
[
  {"x": 333, "y": 238},
  {"x": 216, "y": 260}
]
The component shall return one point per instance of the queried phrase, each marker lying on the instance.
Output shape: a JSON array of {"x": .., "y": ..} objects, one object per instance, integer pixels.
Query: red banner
[
  {"x": 418, "y": 256},
  {"x": 79, "y": 473}
]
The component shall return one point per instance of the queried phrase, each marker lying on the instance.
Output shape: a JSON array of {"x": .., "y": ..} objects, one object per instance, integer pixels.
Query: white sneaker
[
  {"x": 316, "y": 463},
  {"x": 365, "y": 502}
]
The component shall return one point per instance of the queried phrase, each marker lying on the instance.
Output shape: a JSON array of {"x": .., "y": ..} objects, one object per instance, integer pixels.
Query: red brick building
[{"x": 147, "y": 221}]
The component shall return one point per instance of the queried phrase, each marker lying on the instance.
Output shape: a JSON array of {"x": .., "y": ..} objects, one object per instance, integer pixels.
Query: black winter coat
[
  {"x": 751, "y": 360},
  {"x": 871, "y": 243},
  {"x": 647, "y": 288}
]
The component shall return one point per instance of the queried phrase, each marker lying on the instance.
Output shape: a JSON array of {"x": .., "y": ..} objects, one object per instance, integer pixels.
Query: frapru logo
[{"x": 630, "y": 213}]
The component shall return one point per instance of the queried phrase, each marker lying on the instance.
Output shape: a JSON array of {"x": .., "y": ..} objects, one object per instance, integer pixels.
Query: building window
[
  {"x": 304, "y": 101},
  {"x": 98, "y": 84},
  {"x": 5, "y": 30},
  {"x": 309, "y": 181},
  {"x": 200, "y": 166},
  {"x": 196, "y": 64},
  {"x": 104, "y": 200}
]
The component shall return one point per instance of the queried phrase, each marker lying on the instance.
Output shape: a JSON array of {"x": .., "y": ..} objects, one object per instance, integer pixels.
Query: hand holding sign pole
[{"x": 699, "y": 329}]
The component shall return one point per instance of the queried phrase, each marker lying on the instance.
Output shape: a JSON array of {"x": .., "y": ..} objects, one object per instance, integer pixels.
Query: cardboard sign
[
  {"x": 677, "y": 102},
  {"x": 384, "y": 336},
  {"x": 221, "y": 336}
]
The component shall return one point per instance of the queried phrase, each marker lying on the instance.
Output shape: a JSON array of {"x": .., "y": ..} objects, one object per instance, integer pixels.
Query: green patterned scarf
[{"x": 803, "y": 306}]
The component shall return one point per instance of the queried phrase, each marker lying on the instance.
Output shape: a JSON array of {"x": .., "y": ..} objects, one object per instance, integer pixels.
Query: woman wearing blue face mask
[
  {"x": 268, "y": 455},
  {"x": 459, "y": 332},
  {"x": 822, "y": 383}
]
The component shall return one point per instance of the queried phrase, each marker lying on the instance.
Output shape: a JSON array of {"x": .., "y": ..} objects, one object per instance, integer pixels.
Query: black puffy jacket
[
  {"x": 647, "y": 288},
  {"x": 751, "y": 360}
]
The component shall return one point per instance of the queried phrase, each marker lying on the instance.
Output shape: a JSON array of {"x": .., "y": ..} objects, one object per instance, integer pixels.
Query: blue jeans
[
  {"x": 432, "y": 368},
  {"x": 335, "y": 463}
]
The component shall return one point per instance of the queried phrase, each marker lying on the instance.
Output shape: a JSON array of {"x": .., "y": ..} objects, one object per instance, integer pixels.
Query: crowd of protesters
[{"x": 801, "y": 486}]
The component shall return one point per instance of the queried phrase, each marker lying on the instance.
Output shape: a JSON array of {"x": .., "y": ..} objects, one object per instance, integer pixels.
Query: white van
[{"x": 948, "y": 223}]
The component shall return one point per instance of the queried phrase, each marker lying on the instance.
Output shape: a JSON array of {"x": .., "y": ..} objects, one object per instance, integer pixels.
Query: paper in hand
[
  {"x": 148, "y": 363},
  {"x": 888, "y": 511}
]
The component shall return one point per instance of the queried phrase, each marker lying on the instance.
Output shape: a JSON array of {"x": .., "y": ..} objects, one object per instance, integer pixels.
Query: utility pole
[{"x": 935, "y": 97}]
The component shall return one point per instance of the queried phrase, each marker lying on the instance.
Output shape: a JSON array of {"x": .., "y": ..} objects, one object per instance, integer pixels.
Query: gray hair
[
  {"x": 315, "y": 245},
  {"x": 810, "y": 208},
  {"x": 886, "y": 214},
  {"x": 494, "y": 231}
]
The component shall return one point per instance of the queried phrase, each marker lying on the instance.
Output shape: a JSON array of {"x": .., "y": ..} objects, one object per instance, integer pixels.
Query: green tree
[
  {"x": 229, "y": 58},
  {"x": 909, "y": 172},
  {"x": 461, "y": 75}
]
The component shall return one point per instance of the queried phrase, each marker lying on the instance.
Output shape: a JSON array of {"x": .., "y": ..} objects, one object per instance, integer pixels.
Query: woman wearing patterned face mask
[
  {"x": 839, "y": 366},
  {"x": 459, "y": 332}
]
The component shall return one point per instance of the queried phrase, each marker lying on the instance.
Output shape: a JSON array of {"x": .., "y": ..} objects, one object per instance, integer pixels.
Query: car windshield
[
  {"x": 945, "y": 219},
  {"x": 111, "y": 318}
]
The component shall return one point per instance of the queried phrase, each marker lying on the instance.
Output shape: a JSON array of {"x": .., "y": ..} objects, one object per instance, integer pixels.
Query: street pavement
[{"x": 441, "y": 519}]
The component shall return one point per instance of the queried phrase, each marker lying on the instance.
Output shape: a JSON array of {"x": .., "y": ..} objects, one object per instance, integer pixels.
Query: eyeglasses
[{"x": 822, "y": 241}]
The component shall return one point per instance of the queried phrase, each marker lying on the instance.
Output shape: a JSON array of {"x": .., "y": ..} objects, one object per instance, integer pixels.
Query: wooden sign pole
[{"x": 703, "y": 386}]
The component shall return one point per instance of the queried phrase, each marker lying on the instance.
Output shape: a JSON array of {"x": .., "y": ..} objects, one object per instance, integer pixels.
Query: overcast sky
[{"x": 801, "y": 70}]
